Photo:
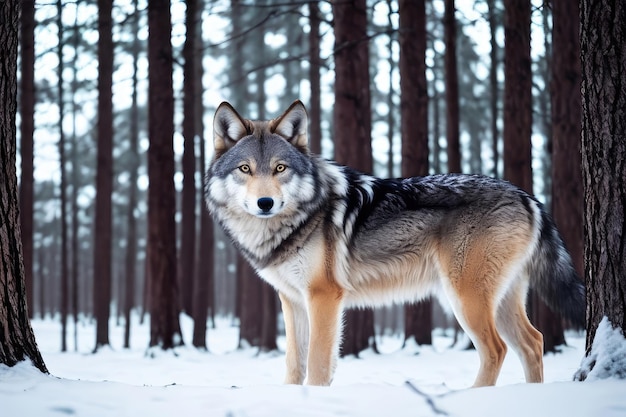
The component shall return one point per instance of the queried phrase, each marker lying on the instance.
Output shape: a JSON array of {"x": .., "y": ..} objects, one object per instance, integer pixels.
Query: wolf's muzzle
[{"x": 265, "y": 204}]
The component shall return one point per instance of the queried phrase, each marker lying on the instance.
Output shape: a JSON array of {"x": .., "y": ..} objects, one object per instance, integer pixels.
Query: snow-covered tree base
[{"x": 607, "y": 358}]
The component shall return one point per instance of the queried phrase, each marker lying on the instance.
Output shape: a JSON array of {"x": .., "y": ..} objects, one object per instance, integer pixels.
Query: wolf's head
[{"x": 260, "y": 168}]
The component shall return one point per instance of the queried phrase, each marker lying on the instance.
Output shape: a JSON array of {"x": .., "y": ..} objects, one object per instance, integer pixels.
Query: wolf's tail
[{"x": 553, "y": 276}]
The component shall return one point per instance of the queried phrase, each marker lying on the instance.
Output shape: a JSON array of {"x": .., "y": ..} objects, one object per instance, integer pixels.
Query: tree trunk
[
  {"x": 517, "y": 94},
  {"x": 452, "y": 88},
  {"x": 493, "y": 85},
  {"x": 188, "y": 223},
  {"x": 130, "y": 265},
  {"x": 104, "y": 176},
  {"x": 164, "y": 300},
  {"x": 315, "y": 110},
  {"x": 567, "y": 188},
  {"x": 414, "y": 128},
  {"x": 249, "y": 305},
  {"x": 204, "y": 283},
  {"x": 18, "y": 341},
  {"x": 27, "y": 110},
  {"x": 352, "y": 121},
  {"x": 63, "y": 186},
  {"x": 603, "y": 51}
]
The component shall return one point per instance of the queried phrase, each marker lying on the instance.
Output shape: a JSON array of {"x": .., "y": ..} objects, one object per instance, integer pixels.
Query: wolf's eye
[
  {"x": 280, "y": 168},
  {"x": 244, "y": 168}
]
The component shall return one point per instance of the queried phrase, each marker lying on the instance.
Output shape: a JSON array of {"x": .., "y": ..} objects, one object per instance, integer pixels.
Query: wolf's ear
[
  {"x": 293, "y": 125},
  {"x": 228, "y": 128}
]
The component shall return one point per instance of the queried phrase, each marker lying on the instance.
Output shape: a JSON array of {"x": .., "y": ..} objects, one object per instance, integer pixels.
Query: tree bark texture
[
  {"x": 567, "y": 184},
  {"x": 603, "y": 52},
  {"x": 517, "y": 94},
  {"x": 191, "y": 88},
  {"x": 315, "y": 110},
  {"x": 352, "y": 122},
  {"x": 130, "y": 261},
  {"x": 352, "y": 119},
  {"x": 17, "y": 341},
  {"x": 414, "y": 129},
  {"x": 104, "y": 176},
  {"x": 27, "y": 116},
  {"x": 164, "y": 300},
  {"x": 452, "y": 88}
]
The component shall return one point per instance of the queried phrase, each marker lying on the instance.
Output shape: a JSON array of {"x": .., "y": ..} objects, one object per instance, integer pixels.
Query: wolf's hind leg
[
  {"x": 297, "y": 335},
  {"x": 517, "y": 331},
  {"x": 476, "y": 318}
]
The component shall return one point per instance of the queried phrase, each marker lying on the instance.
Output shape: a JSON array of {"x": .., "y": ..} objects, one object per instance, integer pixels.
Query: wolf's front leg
[
  {"x": 325, "y": 309},
  {"x": 297, "y": 335}
]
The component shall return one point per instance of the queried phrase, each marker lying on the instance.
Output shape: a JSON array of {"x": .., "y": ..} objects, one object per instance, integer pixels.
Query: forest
[{"x": 116, "y": 96}]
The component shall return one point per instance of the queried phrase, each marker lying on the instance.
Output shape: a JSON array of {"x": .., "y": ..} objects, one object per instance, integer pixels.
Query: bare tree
[
  {"x": 188, "y": 211},
  {"x": 130, "y": 262},
  {"x": 104, "y": 175},
  {"x": 315, "y": 110},
  {"x": 352, "y": 121},
  {"x": 18, "y": 341},
  {"x": 414, "y": 128},
  {"x": 603, "y": 52},
  {"x": 164, "y": 301},
  {"x": 517, "y": 94},
  {"x": 27, "y": 111},
  {"x": 452, "y": 88}
]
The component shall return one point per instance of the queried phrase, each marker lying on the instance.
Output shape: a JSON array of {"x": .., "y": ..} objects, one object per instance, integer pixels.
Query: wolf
[{"x": 328, "y": 237}]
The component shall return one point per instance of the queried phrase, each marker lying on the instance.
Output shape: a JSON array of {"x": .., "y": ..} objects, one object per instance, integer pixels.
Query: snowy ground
[{"x": 240, "y": 383}]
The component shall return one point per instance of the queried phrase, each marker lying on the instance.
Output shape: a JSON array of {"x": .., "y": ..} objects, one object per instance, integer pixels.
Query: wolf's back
[{"x": 553, "y": 276}]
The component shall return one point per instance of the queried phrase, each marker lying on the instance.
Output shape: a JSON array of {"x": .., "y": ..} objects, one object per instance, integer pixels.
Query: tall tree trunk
[
  {"x": 164, "y": 300},
  {"x": 104, "y": 175},
  {"x": 74, "y": 195},
  {"x": 63, "y": 186},
  {"x": 352, "y": 121},
  {"x": 130, "y": 263},
  {"x": 188, "y": 222},
  {"x": 567, "y": 194},
  {"x": 452, "y": 88},
  {"x": 517, "y": 94},
  {"x": 27, "y": 111},
  {"x": 603, "y": 52},
  {"x": 204, "y": 283},
  {"x": 18, "y": 341},
  {"x": 493, "y": 85},
  {"x": 414, "y": 128},
  {"x": 315, "y": 110},
  {"x": 567, "y": 188}
]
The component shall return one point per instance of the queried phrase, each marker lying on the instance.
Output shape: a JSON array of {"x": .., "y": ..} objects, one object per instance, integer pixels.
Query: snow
[
  {"x": 608, "y": 354},
  {"x": 225, "y": 382}
]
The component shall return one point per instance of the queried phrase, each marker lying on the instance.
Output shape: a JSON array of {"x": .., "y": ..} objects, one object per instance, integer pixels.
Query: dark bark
[
  {"x": 249, "y": 305},
  {"x": 603, "y": 52},
  {"x": 352, "y": 119},
  {"x": 517, "y": 94},
  {"x": 18, "y": 341},
  {"x": 352, "y": 122},
  {"x": 315, "y": 110},
  {"x": 191, "y": 88},
  {"x": 204, "y": 283},
  {"x": 567, "y": 188},
  {"x": 414, "y": 128},
  {"x": 63, "y": 186},
  {"x": 164, "y": 300},
  {"x": 452, "y": 88},
  {"x": 104, "y": 176},
  {"x": 493, "y": 85},
  {"x": 130, "y": 262},
  {"x": 27, "y": 127}
]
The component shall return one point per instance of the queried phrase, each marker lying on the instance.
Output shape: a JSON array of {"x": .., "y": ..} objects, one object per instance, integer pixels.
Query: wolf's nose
[{"x": 265, "y": 204}]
